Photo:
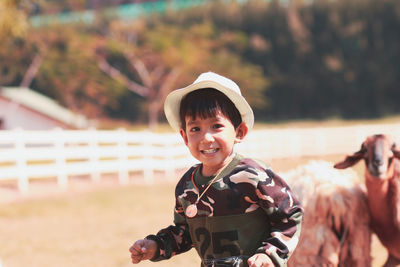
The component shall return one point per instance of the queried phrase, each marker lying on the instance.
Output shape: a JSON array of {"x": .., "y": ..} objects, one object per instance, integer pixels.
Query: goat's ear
[
  {"x": 395, "y": 151},
  {"x": 351, "y": 159}
]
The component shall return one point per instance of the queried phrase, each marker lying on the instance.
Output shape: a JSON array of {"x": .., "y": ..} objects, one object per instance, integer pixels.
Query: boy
[{"x": 230, "y": 208}]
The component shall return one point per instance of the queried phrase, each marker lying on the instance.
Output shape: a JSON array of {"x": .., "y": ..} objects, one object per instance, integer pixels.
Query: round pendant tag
[{"x": 191, "y": 211}]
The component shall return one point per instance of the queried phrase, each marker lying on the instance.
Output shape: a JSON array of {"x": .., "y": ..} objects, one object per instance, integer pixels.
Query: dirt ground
[{"x": 45, "y": 188}]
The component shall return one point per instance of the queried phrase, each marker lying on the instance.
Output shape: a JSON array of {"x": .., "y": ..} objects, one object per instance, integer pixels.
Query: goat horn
[{"x": 396, "y": 152}]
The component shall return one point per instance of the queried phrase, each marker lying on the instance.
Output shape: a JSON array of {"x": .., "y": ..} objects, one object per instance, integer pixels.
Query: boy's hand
[
  {"x": 143, "y": 249},
  {"x": 260, "y": 260}
]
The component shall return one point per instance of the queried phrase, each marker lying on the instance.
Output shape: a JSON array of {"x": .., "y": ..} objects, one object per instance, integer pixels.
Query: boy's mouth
[{"x": 209, "y": 151}]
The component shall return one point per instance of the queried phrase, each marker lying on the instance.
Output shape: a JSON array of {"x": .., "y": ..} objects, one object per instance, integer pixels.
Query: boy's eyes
[
  {"x": 194, "y": 129},
  {"x": 215, "y": 126}
]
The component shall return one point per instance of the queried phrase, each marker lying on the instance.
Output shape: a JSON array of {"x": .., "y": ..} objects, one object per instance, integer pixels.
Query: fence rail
[{"x": 27, "y": 155}]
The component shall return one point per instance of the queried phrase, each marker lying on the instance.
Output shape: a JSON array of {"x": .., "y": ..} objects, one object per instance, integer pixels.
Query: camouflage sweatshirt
[{"x": 247, "y": 210}]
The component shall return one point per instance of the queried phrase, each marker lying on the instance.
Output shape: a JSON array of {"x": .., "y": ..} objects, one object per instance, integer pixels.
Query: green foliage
[
  {"x": 69, "y": 72},
  {"x": 13, "y": 19},
  {"x": 319, "y": 60},
  {"x": 343, "y": 65}
]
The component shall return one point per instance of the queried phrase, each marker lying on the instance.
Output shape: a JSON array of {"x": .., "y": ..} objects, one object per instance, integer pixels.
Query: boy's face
[{"x": 211, "y": 140}]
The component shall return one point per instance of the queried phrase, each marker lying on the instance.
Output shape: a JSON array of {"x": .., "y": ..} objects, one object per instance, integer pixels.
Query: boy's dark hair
[{"x": 206, "y": 103}]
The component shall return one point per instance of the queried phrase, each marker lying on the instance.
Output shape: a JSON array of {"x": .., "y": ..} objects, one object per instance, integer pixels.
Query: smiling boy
[{"x": 233, "y": 210}]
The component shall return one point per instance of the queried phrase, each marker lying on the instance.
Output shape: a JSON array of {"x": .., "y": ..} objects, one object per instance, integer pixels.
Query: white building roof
[{"x": 44, "y": 105}]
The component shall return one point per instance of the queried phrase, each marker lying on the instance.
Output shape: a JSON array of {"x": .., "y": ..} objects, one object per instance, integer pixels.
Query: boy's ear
[
  {"x": 184, "y": 136},
  {"x": 241, "y": 132}
]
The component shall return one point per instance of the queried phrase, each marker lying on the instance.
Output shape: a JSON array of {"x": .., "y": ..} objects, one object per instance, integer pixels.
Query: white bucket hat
[{"x": 208, "y": 80}]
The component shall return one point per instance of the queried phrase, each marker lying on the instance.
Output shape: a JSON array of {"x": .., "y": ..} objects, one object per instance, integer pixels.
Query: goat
[
  {"x": 335, "y": 229},
  {"x": 382, "y": 179}
]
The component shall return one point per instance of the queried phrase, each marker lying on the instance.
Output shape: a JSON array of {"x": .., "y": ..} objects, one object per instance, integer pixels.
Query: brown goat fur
[
  {"x": 382, "y": 180},
  {"x": 335, "y": 229}
]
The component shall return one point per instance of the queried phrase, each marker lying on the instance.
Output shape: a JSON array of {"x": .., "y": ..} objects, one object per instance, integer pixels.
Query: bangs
[
  {"x": 206, "y": 103},
  {"x": 203, "y": 108}
]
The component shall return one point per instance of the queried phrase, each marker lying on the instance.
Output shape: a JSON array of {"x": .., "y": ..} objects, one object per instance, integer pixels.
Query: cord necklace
[{"x": 191, "y": 210}]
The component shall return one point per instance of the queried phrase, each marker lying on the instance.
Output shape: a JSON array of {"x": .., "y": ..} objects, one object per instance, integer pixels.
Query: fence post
[
  {"x": 169, "y": 158},
  {"x": 94, "y": 158},
  {"x": 294, "y": 143},
  {"x": 23, "y": 182},
  {"x": 320, "y": 142},
  {"x": 59, "y": 146},
  {"x": 123, "y": 172},
  {"x": 396, "y": 135},
  {"x": 148, "y": 169},
  {"x": 263, "y": 146}
]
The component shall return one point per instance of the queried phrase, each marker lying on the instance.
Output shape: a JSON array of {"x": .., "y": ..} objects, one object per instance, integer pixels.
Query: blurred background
[
  {"x": 115, "y": 60},
  {"x": 82, "y": 87}
]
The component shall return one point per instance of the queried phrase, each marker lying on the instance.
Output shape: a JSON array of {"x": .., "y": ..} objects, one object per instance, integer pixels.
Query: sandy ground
[
  {"x": 77, "y": 185},
  {"x": 48, "y": 186}
]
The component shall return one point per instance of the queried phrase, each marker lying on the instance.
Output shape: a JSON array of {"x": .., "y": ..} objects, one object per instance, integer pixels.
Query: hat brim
[{"x": 173, "y": 102}]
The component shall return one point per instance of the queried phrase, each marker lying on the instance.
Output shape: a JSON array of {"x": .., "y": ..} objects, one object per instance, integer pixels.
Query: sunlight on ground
[{"x": 96, "y": 227}]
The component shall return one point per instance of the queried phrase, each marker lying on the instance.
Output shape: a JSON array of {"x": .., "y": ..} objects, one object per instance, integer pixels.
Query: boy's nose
[{"x": 208, "y": 137}]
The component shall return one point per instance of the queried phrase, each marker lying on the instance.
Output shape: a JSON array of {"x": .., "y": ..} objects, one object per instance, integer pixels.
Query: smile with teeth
[{"x": 209, "y": 151}]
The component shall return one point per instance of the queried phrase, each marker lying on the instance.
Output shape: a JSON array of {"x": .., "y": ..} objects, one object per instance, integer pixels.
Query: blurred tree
[
  {"x": 153, "y": 69},
  {"x": 292, "y": 61},
  {"x": 13, "y": 18},
  {"x": 13, "y": 61},
  {"x": 39, "y": 43},
  {"x": 161, "y": 56},
  {"x": 222, "y": 25},
  {"x": 69, "y": 72},
  {"x": 13, "y": 27},
  {"x": 348, "y": 68}
]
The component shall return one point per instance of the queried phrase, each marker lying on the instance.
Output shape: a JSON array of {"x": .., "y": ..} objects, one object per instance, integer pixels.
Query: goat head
[{"x": 378, "y": 152}]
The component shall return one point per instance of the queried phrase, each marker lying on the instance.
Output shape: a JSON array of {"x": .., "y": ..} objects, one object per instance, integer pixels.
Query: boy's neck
[
  {"x": 216, "y": 171},
  {"x": 203, "y": 179}
]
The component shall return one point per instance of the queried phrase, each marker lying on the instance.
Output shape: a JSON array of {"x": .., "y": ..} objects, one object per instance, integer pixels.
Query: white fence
[
  {"x": 26, "y": 155},
  {"x": 296, "y": 142}
]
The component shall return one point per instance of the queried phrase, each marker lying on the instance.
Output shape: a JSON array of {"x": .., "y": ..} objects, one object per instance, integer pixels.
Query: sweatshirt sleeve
[
  {"x": 285, "y": 213},
  {"x": 174, "y": 239}
]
